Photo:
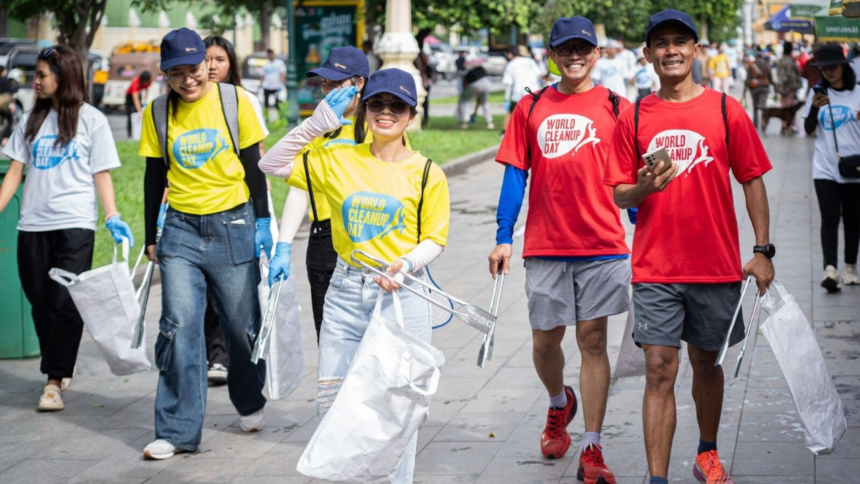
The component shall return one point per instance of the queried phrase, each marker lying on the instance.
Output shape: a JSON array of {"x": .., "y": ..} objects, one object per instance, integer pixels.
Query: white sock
[
  {"x": 558, "y": 401},
  {"x": 591, "y": 438}
]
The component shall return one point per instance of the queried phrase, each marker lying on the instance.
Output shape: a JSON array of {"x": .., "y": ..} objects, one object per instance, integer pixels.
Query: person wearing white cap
[{"x": 611, "y": 71}]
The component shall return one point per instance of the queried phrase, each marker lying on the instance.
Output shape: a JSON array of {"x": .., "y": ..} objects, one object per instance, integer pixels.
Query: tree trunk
[
  {"x": 4, "y": 22},
  {"x": 703, "y": 26},
  {"x": 265, "y": 22}
]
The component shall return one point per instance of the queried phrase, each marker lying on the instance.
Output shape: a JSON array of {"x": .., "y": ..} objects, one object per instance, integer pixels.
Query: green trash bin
[{"x": 17, "y": 334}]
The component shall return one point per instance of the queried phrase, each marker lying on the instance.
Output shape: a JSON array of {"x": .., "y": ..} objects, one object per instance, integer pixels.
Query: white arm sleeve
[
  {"x": 278, "y": 161},
  {"x": 423, "y": 254},
  {"x": 294, "y": 212}
]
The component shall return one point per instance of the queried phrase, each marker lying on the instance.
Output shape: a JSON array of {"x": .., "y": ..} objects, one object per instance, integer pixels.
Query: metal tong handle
[
  {"x": 486, "y": 351},
  {"x": 749, "y": 329},
  {"x": 143, "y": 300},
  {"x": 261, "y": 346},
  {"x": 725, "y": 346},
  {"x": 473, "y": 321}
]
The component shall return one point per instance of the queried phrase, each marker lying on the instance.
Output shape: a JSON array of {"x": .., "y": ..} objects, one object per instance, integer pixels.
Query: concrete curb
[
  {"x": 461, "y": 164},
  {"x": 454, "y": 167}
]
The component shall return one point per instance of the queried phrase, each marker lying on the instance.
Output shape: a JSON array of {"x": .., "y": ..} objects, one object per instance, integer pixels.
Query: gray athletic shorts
[
  {"x": 562, "y": 293},
  {"x": 700, "y": 314}
]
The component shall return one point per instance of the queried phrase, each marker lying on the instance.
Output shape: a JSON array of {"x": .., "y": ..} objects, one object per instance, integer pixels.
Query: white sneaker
[
  {"x": 217, "y": 374},
  {"x": 51, "y": 399},
  {"x": 830, "y": 281},
  {"x": 849, "y": 275},
  {"x": 491, "y": 126},
  {"x": 253, "y": 422},
  {"x": 160, "y": 449}
]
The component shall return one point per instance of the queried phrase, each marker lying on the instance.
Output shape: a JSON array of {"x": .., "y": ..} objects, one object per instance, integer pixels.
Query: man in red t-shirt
[
  {"x": 686, "y": 258},
  {"x": 577, "y": 263},
  {"x": 135, "y": 96}
]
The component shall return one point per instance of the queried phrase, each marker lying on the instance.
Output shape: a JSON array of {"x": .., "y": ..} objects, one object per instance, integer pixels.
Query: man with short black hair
[
  {"x": 686, "y": 261},
  {"x": 274, "y": 77}
]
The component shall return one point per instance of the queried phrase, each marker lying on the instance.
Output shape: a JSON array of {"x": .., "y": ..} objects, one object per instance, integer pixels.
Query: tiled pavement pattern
[{"x": 484, "y": 424}]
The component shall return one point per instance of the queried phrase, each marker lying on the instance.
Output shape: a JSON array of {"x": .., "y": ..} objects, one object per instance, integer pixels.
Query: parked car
[
  {"x": 252, "y": 75},
  {"x": 495, "y": 64},
  {"x": 442, "y": 58},
  {"x": 124, "y": 68},
  {"x": 7, "y": 44}
]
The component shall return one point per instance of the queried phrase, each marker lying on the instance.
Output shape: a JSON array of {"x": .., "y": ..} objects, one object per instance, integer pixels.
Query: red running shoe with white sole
[
  {"x": 709, "y": 469},
  {"x": 554, "y": 441},
  {"x": 592, "y": 469}
]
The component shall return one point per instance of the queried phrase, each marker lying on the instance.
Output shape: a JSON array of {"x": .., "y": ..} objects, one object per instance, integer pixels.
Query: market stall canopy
[
  {"x": 836, "y": 29},
  {"x": 782, "y": 21},
  {"x": 846, "y": 8}
]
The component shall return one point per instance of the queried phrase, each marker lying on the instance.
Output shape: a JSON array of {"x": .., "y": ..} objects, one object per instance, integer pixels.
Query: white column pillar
[{"x": 398, "y": 47}]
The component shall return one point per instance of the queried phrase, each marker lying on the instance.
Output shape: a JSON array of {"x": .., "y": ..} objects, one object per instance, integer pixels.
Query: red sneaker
[
  {"x": 592, "y": 469},
  {"x": 554, "y": 441},
  {"x": 709, "y": 469}
]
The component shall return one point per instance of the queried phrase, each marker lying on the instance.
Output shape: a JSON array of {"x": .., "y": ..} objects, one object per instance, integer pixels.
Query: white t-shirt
[
  {"x": 258, "y": 110},
  {"x": 611, "y": 74},
  {"x": 520, "y": 73},
  {"x": 646, "y": 77},
  {"x": 59, "y": 190},
  {"x": 855, "y": 65},
  {"x": 732, "y": 54},
  {"x": 272, "y": 71},
  {"x": 845, "y": 106}
]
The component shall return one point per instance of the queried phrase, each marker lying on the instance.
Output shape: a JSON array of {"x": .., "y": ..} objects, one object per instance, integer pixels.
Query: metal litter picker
[
  {"x": 472, "y": 315},
  {"x": 747, "y": 329},
  {"x": 261, "y": 346}
]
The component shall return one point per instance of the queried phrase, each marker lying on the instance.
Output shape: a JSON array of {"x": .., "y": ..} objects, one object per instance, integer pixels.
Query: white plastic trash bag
[
  {"x": 631, "y": 358},
  {"x": 384, "y": 399},
  {"x": 793, "y": 343},
  {"x": 106, "y": 300},
  {"x": 285, "y": 361}
]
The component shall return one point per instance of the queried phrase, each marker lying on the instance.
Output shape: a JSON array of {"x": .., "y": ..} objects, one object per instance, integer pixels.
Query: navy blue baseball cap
[
  {"x": 343, "y": 63},
  {"x": 575, "y": 27},
  {"x": 670, "y": 15},
  {"x": 182, "y": 47},
  {"x": 395, "y": 82}
]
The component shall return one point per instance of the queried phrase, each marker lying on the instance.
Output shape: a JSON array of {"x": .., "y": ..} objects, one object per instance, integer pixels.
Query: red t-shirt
[
  {"x": 571, "y": 212},
  {"x": 688, "y": 233},
  {"x": 136, "y": 86}
]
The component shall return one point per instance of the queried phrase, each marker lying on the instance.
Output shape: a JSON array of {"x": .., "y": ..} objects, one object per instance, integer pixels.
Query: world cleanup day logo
[{"x": 193, "y": 149}]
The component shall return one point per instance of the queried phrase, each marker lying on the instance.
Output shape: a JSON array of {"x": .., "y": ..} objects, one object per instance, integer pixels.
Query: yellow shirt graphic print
[
  {"x": 374, "y": 203},
  {"x": 206, "y": 175}
]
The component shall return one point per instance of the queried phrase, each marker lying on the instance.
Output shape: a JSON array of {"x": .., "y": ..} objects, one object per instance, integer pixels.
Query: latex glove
[
  {"x": 507, "y": 105},
  {"x": 279, "y": 266},
  {"x": 263, "y": 236},
  {"x": 161, "y": 213},
  {"x": 339, "y": 100},
  {"x": 119, "y": 230}
]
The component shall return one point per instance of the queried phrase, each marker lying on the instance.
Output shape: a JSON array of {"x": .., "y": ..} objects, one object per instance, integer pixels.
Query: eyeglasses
[
  {"x": 178, "y": 77},
  {"x": 580, "y": 49},
  {"x": 397, "y": 108}
]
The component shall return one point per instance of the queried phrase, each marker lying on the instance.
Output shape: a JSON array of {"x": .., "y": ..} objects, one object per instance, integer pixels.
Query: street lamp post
[{"x": 292, "y": 75}]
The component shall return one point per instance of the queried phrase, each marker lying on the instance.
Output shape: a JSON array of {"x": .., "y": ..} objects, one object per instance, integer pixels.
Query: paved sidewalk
[{"x": 484, "y": 424}]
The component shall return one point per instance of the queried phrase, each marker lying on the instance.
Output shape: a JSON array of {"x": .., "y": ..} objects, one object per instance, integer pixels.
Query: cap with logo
[
  {"x": 575, "y": 27},
  {"x": 182, "y": 47},
  {"x": 396, "y": 82},
  {"x": 343, "y": 63},
  {"x": 667, "y": 16}
]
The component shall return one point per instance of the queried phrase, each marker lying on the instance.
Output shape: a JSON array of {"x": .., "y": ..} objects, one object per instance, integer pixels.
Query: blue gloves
[
  {"x": 263, "y": 236},
  {"x": 161, "y": 213},
  {"x": 339, "y": 99},
  {"x": 507, "y": 105},
  {"x": 119, "y": 230},
  {"x": 279, "y": 266}
]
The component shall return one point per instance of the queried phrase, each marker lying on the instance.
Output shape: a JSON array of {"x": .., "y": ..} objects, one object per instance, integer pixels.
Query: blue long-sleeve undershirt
[{"x": 510, "y": 203}]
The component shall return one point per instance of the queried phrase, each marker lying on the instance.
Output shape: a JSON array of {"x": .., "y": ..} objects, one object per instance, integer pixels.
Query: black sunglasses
[
  {"x": 376, "y": 106},
  {"x": 47, "y": 52},
  {"x": 581, "y": 49}
]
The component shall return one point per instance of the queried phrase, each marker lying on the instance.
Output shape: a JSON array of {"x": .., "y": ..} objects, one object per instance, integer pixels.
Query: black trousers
[
  {"x": 216, "y": 343},
  {"x": 58, "y": 323},
  {"x": 271, "y": 92},
  {"x": 129, "y": 110},
  {"x": 320, "y": 261},
  {"x": 839, "y": 200}
]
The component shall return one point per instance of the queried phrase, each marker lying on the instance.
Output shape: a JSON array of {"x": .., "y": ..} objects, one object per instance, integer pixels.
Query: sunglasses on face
[
  {"x": 580, "y": 49},
  {"x": 376, "y": 106}
]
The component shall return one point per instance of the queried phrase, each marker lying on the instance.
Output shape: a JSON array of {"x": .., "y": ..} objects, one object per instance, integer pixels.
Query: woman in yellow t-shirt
[
  {"x": 217, "y": 219},
  {"x": 345, "y": 66},
  {"x": 375, "y": 192}
]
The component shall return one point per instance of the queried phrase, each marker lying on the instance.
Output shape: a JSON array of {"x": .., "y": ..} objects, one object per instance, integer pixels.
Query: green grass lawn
[
  {"x": 442, "y": 141},
  {"x": 495, "y": 97}
]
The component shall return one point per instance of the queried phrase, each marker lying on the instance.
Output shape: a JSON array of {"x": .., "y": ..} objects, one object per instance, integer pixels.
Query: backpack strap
[
  {"x": 230, "y": 110},
  {"x": 424, "y": 178},
  {"x": 616, "y": 102},
  {"x": 535, "y": 97},
  {"x": 725, "y": 117},
  {"x": 310, "y": 188},
  {"x": 636, "y": 128},
  {"x": 161, "y": 118}
]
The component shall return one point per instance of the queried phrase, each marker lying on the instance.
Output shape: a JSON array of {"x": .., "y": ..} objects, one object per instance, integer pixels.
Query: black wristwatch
[{"x": 768, "y": 250}]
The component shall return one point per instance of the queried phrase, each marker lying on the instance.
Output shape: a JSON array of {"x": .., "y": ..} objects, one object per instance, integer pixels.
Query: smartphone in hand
[{"x": 654, "y": 158}]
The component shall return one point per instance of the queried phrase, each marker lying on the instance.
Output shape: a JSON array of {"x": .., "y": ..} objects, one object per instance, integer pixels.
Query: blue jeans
[
  {"x": 196, "y": 253},
  {"x": 349, "y": 305}
]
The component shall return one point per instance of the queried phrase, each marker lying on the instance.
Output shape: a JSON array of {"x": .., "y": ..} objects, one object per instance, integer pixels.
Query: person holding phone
[
  {"x": 685, "y": 290},
  {"x": 577, "y": 262},
  {"x": 833, "y": 112}
]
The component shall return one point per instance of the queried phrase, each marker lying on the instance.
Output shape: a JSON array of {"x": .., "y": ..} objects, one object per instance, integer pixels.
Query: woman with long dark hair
[
  {"x": 385, "y": 199},
  {"x": 833, "y": 112},
  {"x": 345, "y": 66},
  {"x": 70, "y": 150},
  {"x": 203, "y": 138}
]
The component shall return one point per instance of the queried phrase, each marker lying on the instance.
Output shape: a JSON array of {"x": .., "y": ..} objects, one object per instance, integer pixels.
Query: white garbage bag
[
  {"x": 631, "y": 358},
  {"x": 384, "y": 399},
  {"x": 793, "y": 343},
  {"x": 106, "y": 299},
  {"x": 285, "y": 361}
]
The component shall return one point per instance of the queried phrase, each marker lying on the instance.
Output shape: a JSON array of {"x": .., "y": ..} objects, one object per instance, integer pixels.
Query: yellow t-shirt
[
  {"x": 720, "y": 65},
  {"x": 375, "y": 203},
  {"x": 206, "y": 175}
]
